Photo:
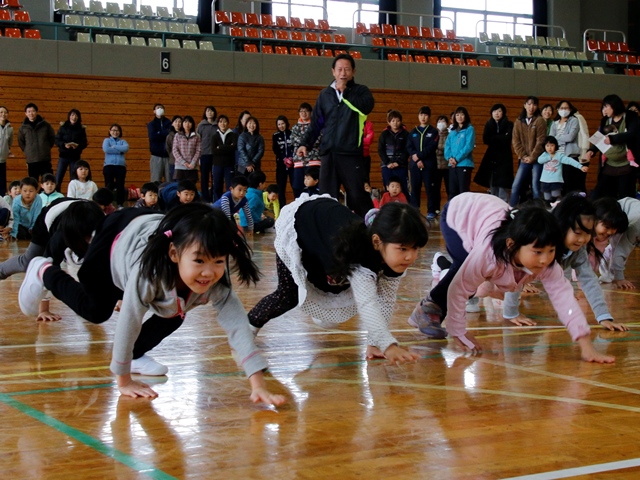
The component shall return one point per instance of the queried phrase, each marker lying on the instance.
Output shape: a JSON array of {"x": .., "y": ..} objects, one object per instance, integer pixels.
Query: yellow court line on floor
[
  {"x": 560, "y": 376},
  {"x": 529, "y": 396}
]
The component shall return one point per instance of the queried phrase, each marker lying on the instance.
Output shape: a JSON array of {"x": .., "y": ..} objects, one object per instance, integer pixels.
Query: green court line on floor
[{"x": 89, "y": 441}]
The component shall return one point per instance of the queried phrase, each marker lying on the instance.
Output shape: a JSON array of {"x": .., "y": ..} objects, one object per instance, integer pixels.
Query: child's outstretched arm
[
  {"x": 233, "y": 319},
  {"x": 375, "y": 299}
]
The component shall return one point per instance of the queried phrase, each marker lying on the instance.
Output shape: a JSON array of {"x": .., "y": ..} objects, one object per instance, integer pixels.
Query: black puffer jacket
[
  {"x": 341, "y": 127},
  {"x": 71, "y": 133},
  {"x": 498, "y": 159}
]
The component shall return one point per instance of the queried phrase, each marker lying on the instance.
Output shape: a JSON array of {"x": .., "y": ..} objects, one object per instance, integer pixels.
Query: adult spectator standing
[
  {"x": 6, "y": 140},
  {"x": 158, "y": 129},
  {"x": 36, "y": 138},
  {"x": 207, "y": 128},
  {"x": 622, "y": 129},
  {"x": 496, "y": 168},
  {"x": 71, "y": 141},
  {"x": 339, "y": 114},
  {"x": 566, "y": 129}
]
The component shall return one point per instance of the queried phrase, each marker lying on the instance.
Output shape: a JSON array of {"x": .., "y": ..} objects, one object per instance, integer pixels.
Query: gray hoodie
[
  {"x": 141, "y": 295},
  {"x": 6, "y": 140},
  {"x": 622, "y": 244}
]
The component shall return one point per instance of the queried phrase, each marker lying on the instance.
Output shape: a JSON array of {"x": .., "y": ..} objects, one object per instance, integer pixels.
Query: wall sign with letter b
[
  {"x": 165, "y": 62},
  {"x": 464, "y": 79}
]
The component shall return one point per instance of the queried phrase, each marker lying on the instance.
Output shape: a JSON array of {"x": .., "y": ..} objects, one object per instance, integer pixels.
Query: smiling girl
[{"x": 165, "y": 265}]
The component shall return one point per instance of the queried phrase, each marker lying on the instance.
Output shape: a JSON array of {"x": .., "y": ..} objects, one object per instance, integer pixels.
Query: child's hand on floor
[
  {"x": 624, "y": 284},
  {"x": 469, "y": 342},
  {"x": 521, "y": 320},
  {"x": 611, "y": 325},
  {"x": 397, "y": 355},
  {"x": 47, "y": 316}
]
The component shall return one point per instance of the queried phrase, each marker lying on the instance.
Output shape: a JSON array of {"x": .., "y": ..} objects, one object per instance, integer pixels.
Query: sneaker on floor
[
  {"x": 431, "y": 216},
  {"x": 32, "y": 290},
  {"x": 145, "y": 365},
  {"x": 426, "y": 317},
  {"x": 473, "y": 305}
]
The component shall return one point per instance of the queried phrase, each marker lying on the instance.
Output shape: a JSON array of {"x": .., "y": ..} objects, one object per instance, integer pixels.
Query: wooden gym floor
[{"x": 526, "y": 407}]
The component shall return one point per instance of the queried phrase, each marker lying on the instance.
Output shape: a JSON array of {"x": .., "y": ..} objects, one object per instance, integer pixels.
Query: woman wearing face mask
[
  {"x": 565, "y": 129},
  {"x": 496, "y": 168}
]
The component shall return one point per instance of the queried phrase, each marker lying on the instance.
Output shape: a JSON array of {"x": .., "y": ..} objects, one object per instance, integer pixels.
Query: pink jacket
[
  {"x": 473, "y": 216},
  {"x": 367, "y": 138}
]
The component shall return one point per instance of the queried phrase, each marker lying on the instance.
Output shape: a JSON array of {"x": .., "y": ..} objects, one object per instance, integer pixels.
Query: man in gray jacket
[{"x": 36, "y": 138}]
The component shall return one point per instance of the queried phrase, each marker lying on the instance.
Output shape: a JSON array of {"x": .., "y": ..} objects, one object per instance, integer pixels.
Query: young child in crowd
[
  {"x": 26, "y": 207},
  {"x": 149, "y": 196},
  {"x": 104, "y": 198},
  {"x": 375, "y": 194},
  {"x": 49, "y": 193},
  {"x": 62, "y": 231},
  {"x": 271, "y": 201},
  {"x": 235, "y": 200},
  {"x": 13, "y": 192},
  {"x": 621, "y": 244},
  {"x": 311, "y": 180},
  {"x": 552, "y": 161},
  {"x": 394, "y": 192},
  {"x": 392, "y": 148},
  {"x": 332, "y": 264},
  {"x": 487, "y": 242},
  {"x": 576, "y": 217},
  {"x": 610, "y": 219},
  {"x": 115, "y": 165},
  {"x": 175, "y": 193},
  {"x": 261, "y": 222},
  {"x": 165, "y": 265},
  {"x": 6, "y": 219},
  {"x": 81, "y": 185}
]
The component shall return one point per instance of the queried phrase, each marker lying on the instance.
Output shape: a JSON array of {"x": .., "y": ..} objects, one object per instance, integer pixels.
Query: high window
[
  {"x": 190, "y": 6},
  {"x": 495, "y": 16},
  {"x": 340, "y": 13}
]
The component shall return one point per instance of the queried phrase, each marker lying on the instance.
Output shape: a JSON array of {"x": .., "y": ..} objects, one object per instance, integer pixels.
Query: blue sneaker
[
  {"x": 427, "y": 318},
  {"x": 431, "y": 216}
]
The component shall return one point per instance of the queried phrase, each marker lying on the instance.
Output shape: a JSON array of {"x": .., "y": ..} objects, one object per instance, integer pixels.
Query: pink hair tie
[{"x": 168, "y": 234}]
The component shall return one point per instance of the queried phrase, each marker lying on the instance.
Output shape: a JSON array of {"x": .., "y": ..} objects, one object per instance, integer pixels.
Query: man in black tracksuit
[{"x": 339, "y": 114}]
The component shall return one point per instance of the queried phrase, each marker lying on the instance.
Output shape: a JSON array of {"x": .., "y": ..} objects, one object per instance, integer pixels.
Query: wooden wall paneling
[{"x": 129, "y": 102}]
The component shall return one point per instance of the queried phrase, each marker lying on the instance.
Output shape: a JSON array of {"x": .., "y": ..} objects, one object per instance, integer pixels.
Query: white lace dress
[{"x": 371, "y": 295}]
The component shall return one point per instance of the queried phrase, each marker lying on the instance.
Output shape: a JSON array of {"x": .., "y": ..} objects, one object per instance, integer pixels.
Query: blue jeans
[
  {"x": 526, "y": 172},
  {"x": 64, "y": 164}
]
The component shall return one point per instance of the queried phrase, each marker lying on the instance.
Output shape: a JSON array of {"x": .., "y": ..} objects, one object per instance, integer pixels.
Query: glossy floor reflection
[{"x": 527, "y": 405}]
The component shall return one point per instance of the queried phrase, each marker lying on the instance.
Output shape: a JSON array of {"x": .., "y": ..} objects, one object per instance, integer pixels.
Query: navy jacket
[{"x": 158, "y": 129}]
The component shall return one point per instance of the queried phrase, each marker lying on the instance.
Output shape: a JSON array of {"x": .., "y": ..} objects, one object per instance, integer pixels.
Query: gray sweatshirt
[
  {"x": 141, "y": 295},
  {"x": 622, "y": 244},
  {"x": 578, "y": 261}
]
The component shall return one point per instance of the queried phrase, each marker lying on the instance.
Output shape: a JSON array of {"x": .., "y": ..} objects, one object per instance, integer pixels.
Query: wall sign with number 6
[{"x": 165, "y": 62}]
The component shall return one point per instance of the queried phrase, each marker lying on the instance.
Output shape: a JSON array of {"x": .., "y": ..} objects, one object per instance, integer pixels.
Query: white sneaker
[
  {"x": 435, "y": 268},
  {"x": 145, "y": 365},
  {"x": 32, "y": 290},
  {"x": 254, "y": 330},
  {"x": 473, "y": 305}
]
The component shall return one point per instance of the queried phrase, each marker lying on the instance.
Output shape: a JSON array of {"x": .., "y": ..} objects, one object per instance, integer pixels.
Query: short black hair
[
  {"x": 239, "y": 180},
  {"x": 344, "y": 56},
  {"x": 103, "y": 196},
  {"x": 313, "y": 172},
  {"x": 30, "y": 105},
  {"x": 187, "y": 185},
  {"x": 552, "y": 140},
  {"x": 213, "y": 109},
  {"x": 394, "y": 179},
  {"x": 273, "y": 188},
  {"x": 48, "y": 177},
  {"x": 15, "y": 183},
  {"x": 615, "y": 102},
  {"x": 610, "y": 213},
  {"x": 256, "y": 178},
  {"x": 149, "y": 187},
  {"x": 305, "y": 106},
  {"x": 393, "y": 113},
  {"x": 79, "y": 164},
  {"x": 425, "y": 110},
  {"x": 29, "y": 182}
]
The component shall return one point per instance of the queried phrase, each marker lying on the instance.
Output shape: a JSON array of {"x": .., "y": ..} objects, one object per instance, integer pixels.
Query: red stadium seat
[
  {"x": 394, "y": 57},
  {"x": 247, "y": 47},
  {"x": 12, "y": 32}
]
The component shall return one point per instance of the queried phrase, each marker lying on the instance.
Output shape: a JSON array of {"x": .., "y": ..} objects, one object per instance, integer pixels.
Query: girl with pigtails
[{"x": 165, "y": 265}]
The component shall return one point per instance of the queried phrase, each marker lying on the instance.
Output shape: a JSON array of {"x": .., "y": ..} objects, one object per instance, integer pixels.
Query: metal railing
[{"x": 584, "y": 35}]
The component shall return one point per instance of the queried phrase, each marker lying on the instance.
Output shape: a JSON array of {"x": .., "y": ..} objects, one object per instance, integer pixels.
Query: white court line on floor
[{"x": 586, "y": 470}]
